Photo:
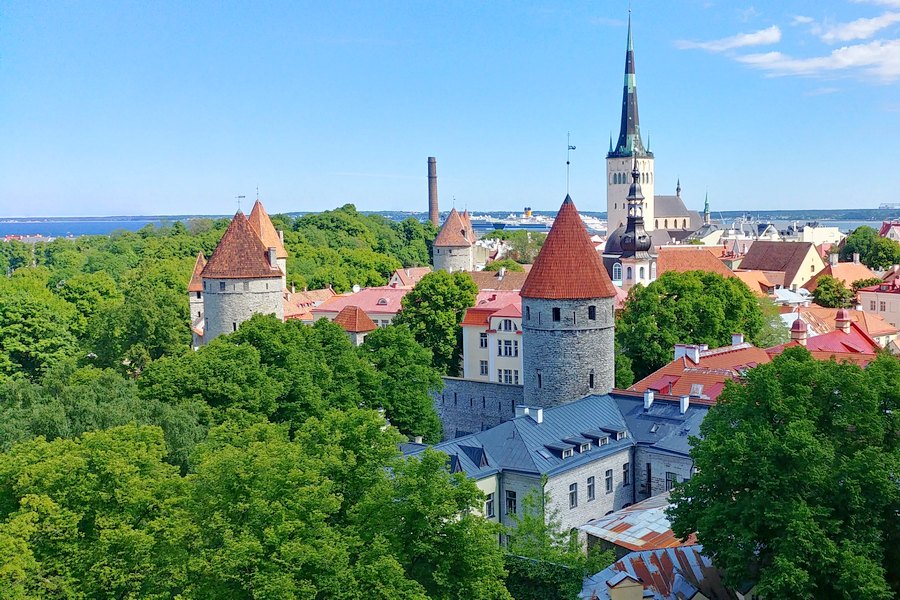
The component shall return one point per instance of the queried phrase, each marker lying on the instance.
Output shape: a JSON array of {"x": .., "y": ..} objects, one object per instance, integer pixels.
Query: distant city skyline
[{"x": 170, "y": 108}]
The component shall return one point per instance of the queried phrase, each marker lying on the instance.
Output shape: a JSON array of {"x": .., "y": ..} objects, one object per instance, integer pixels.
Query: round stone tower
[
  {"x": 454, "y": 246},
  {"x": 242, "y": 278},
  {"x": 568, "y": 317}
]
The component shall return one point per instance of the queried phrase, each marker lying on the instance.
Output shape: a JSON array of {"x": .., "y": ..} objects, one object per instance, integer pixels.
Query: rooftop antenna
[
  {"x": 239, "y": 198},
  {"x": 569, "y": 148}
]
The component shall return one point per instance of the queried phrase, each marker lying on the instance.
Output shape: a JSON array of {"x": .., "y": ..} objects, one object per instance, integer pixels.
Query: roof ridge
[{"x": 240, "y": 254}]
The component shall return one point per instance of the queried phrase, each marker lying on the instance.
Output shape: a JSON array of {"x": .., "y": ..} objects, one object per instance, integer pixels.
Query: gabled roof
[
  {"x": 757, "y": 281},
  {"x": 353, "y": 320},
  {"x": 568, "y": 266},
  {"x": 240, "y": 254},
  {"x": 822, "y": 320},
  {"x": 784, "y": 257},
  {"x": 262, "y": 225},
  {"x": 845, "y": 272},
  {"x": 492, "y": 280},
  {"x": 510, "y": 310},
  {"x": 411, "y": 276},
  {"x": 373, "y": 301},
  {"x": 455, "y": 232},
  {"x": 689, "y": 258},
  {"x": 641, "y": 526},
  {"x": 856, "y": 346},
  {"x": 196, "y": 283}
]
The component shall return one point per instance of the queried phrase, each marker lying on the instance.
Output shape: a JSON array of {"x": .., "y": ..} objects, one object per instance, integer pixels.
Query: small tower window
[
  {"x": 617, "y": 271},
  {"x": 592, "y": 313},
  {"x": 656, "y": 225},
  {"x": 540, "y": 380},
  {"x": 684, "y": 223},
  {"x": 642, "y": 275},
  {"x": 199, "y": 295},
  {"x": 246, "y": 286},
  {"x": 629, "y": 273},
  {"x": 221, "y": 286},
  {"x": 556, "y": 314},
  {"x": 527, "y": 313},
  {"x": 591, "y": 379},
  {"x": 234, "y": 326},
  {"x": 666, "y": 223}
]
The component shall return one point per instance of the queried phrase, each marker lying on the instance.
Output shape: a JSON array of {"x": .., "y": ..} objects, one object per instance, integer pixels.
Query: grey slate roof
[{"x": 525, "y": 446}]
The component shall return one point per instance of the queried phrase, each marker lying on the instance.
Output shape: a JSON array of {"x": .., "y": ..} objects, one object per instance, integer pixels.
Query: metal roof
[{"x": 641, "y": 526}]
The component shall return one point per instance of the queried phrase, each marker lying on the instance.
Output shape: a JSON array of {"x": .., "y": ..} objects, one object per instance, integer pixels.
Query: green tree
[
  {"x": 524, "y": 245},
  {"x": 831, "y": 293},
  {"x": 88, "y": 293},
  {"x": 407, "y": 380},
  {"x": 861, "y": 283},
  {"x": 875, "y": 252},
  {"x": 505, "y": 263},
  {"x": 696, "y": 307},
  {"x": 555, "y": 563},
  {"x": 624, "y": 373},
  {"x": 446, "y": 547},
  {"x": 796, "y": 480},
  {"x": 433, "y": 310}
]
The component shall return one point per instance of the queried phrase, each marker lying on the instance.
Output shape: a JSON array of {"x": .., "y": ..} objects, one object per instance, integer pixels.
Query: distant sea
[{"x": 77, "y": 227}]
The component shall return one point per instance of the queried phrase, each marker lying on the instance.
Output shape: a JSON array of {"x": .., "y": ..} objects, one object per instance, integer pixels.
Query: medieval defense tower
[
  {"x": 568, "y": 325},
  {"x": 454, "y": 246},
  {"x": 620, "y": 159},
  {"x": 243, "y": 277}
]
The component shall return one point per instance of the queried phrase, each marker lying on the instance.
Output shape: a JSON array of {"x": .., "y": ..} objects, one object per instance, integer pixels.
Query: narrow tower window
[
  {"x": 556, "y": 314},
  {"x": 591, "y": 379},
  {"x": 592, "y": 313}
]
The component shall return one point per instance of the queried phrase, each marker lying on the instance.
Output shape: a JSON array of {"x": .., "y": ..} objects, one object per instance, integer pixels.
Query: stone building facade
[
  {"x": 466, "y": 406},
  {"x": 230, "y": 302}
]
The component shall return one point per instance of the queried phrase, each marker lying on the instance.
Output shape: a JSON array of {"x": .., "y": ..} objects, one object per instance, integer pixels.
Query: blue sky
[{"x": 178, "y": 107}]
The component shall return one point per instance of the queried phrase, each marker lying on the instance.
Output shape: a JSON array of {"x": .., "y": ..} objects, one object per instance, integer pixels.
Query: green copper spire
[
  {"x": 610, "y": 143},
  {"x": 706, "y": 219}
]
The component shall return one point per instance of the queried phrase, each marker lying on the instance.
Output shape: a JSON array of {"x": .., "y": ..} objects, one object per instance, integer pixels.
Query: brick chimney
[
  {"x": 273, "y": 257},
  {"x": 833, "y": 258},
  {"x": 433, "y": 214},
  {"x": 842, "y": 320}
]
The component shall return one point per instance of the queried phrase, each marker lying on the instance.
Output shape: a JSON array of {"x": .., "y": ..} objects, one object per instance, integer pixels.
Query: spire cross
[
  {"x": 239, "y": 198},
  {"x": 569, "y": 148}
]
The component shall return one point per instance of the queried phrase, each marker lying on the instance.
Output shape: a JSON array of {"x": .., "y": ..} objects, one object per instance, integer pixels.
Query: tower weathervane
[
  {"x": 239, "y": 198},
  {"x": 569, "y": 148}
]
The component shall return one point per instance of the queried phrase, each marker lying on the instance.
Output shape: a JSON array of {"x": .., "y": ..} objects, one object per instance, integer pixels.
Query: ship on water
[{"x": 530, "y": 221}]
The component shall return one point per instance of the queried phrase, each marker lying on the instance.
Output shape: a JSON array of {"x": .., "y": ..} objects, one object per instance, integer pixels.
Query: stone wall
[
  {"x": 195, "y": 301},
  {"x": 453, "y": 259},
  {"x": 660, "y": 464},
  {"x": 559, "y": 356},
  {"x": 225, "y": 310},
  {"x": 467, "y": 406}
]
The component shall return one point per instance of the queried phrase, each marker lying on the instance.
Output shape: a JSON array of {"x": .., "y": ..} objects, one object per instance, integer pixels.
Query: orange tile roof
[
  {"x": 478, "y": 317},
  {"x": 262, "y": 225},
  {"x": 491, "y": 280},
  {"x": 757, "y": 281},
  {"x": 354, "y": 320},
  {"x": 822, "y": 320},
  {"x": 856, "y": 346},
  {"x": 240, "y": 254},
  {"x": 689, "y": 258},
  {"x": 455, "y": 232},
  {"x": 196, "y": 284},
  {"x": 568, "y": 266},
  {"x": 845, "y": 272},
  {"x": 714, "y": 368}
]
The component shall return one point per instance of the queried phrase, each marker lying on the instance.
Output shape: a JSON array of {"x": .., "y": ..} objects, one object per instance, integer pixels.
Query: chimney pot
[
  {"x": 537, "y": 414},
  {"x": 684, "y": 403},
  {"x": 737, "y": 339},
  {"x": 418, "y": 439},
  {"x": 273, "y": 261},
  {"x": 833, "y": 258},
  {"x": 856, "y": 257},
  {"x": 648, "y": 399}
]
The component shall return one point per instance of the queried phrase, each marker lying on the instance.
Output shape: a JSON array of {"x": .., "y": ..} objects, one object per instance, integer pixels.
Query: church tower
[
  {"x": 619, "y": 160},
  {"x": 568, "y": 325},
  {"x": 638, "y": 264}
]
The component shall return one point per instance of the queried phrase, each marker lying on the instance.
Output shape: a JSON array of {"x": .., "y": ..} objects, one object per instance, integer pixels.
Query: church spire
[
  {"x": 706, "y": 217},
  {"x": 635, "y": 241},
  {"x": 630, "y": 142}
]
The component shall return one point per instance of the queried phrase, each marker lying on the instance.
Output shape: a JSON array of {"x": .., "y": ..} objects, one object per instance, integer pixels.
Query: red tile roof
[
  {"x": 856, "y": 346},
  {"x": 373, "y": 301},
  {"x": 240, "y": 254},
  {"x": 822, "y": 320},
  {"x": 455, "y": 232},
  {"x": 478, "y": 317},
  {"x": 845, "y": 272},
  {"x": 492, "y": 280},
  {"x": 262, "y": 225},
  {"x": 568, "y": 266},
  {"x": 354, "y": 320},
  {"x": 689, "y": 258},
  {"x": 196, "y": 284},
  {"x": 780, "y": 257},
  {"x": 490, "y": 304},
  {"x": 411, "y": 276}
]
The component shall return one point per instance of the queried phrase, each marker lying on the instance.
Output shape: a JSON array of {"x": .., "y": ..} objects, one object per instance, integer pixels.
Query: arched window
[
  {"x": 684, "y": 223},
  {"x": 617, "y": 272},
  {"x": 641, "y": 272},
  {"x": 628, "y": 273},
  {"x": 666, "y": 223},
  {"x": 653, "y": 271},
  {"x": 656, "y": 224}
]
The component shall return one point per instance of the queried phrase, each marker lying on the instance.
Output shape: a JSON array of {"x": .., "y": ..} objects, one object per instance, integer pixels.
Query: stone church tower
[
  {"x": 620, "y": 159},
  {"x": 568, "y": 325},
  {"x": 242, "y": 278}
]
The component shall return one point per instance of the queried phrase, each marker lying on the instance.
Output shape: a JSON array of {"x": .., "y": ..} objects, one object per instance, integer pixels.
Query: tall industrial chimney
[{"x": 433, "y": 214}]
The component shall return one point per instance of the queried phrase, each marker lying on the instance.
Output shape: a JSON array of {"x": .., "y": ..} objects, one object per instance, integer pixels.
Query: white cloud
[
  {"x": 880, "y": 59},
  {"x": 860, "y": 29},
  {"x": 802, "y": 20},
  {"x": 748, "y": 13},
  {"x": 892, "y": 3},
  {"x": 822, "y": 91},
  {"x": 770, "y": 35}
]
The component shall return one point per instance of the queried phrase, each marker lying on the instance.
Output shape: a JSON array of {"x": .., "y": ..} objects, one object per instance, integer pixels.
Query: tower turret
[
  {"x": 568, "y": 324},
  {"x": 629, "y": 146},
  {"x": 454, "y": 245},
  {"x": 638, "y": 264},
  {"x": 706, "y": 217}
]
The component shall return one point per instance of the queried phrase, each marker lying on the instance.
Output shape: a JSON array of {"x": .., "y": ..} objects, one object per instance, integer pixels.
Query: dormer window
[
  {"x": 382, "y": 302},
  {"x": 568, "y": 453},
  {"x": 603, "y": 441},
  {"x": 584, "y": 448},
  {"x": 621, "y": 435}
]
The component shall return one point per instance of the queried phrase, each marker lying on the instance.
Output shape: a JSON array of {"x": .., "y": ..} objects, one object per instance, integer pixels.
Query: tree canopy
[
  {"x": 796, "y": 485},
  {"x": 830, "y": 292},
  {"x": 433, "y": 310},
  {"x": 874, "y": 251},
  {"x": 696, "y": 307}
]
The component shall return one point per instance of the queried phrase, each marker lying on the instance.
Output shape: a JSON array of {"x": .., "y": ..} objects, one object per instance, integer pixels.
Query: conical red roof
[
  {"x": 354, "y": 320},
  {"x": 240, "y": 254},
  {"x": 262, "y": 225},
  {"x": 196, "y": 284},
  {"x": 568, "y": 267},
  {"x": 454, "y": 232}
]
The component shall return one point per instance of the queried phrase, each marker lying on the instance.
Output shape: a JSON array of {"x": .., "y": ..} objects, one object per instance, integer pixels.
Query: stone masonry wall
[
  {"x": 616, "y": 193},
  {"x": 467, "y": 406},
  {"x": 660, "y": 464},
  {"x": 452, "y": 259},
  {"x": 196, "y": 305},
  {"x": 564, "y": 352},
  {"x": 224, "y": 310}
]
